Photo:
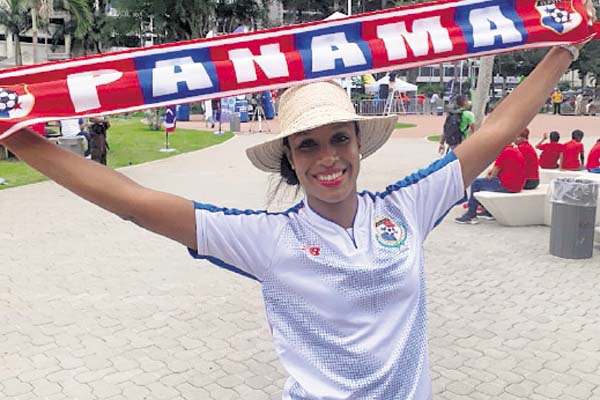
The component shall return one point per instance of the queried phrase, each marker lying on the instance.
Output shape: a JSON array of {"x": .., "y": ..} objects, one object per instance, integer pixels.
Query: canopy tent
[
  {"x": 399, "y": 85},
  {"x": 335, "y": 15}
]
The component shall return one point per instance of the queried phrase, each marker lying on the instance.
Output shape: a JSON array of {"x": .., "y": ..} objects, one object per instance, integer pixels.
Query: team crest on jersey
[
  {"x": 15, "y": 102},
  {"x": 389, "y": 233},
  {"x": 559, "y": 16}
]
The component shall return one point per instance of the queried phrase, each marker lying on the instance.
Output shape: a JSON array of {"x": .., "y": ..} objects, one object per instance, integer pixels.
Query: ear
[
  {"x": 356, "y": 131},
  {"x": 288, "y": 154}
]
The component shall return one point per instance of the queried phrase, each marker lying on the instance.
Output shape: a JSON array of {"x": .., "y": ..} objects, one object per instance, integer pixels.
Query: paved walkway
[{"x": 92, "y": 307}]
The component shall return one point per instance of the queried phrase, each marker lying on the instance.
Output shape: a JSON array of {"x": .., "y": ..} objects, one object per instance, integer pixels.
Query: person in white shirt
[{"x": 342, "y": 272}]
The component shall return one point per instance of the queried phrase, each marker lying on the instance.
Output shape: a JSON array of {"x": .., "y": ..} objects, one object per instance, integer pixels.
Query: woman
[{"x": 342, "y": 273}]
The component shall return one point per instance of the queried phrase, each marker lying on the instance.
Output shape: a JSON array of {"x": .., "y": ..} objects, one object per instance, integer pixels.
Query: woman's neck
[{"x": 341, "y": 213}]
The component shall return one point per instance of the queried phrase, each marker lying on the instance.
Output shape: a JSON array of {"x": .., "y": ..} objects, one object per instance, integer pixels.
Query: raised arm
[
  {"x": 542, "y": 140},
  {"x": 512, "y": 115},
  {"x": 163, "y": 213}
]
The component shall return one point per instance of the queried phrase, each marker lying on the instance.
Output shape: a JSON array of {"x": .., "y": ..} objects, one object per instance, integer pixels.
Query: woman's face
[{"x": 326, "y": 161}]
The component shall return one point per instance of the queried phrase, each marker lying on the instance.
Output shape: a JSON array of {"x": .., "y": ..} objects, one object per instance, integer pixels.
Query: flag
[{"x": 170, "y": 119}]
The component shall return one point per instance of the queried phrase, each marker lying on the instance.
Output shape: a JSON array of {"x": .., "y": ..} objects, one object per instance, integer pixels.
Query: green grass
[
  {"x": 131, "y": 142},
  {"x": 402, "y": 125},
  {"x": 434, "y": 138}
]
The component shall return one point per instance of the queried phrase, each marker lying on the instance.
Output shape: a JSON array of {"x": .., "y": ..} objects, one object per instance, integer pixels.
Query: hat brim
[{"x": 374, "y": 132}]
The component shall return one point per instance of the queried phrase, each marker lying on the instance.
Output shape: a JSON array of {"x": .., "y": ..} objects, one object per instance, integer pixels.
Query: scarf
[{"x": 191, "y": 71}]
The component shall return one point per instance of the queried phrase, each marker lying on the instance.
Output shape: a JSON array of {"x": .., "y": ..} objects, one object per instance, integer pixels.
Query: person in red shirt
[
  {"x": 550, "y": 151},
  {"x": 421, "y": 102},
  {"x": 507, "y": 175},
  {"x": 532, "y": 164},
  {"x": 572, "y": 155},
  {"x": 593, "y": 161}
]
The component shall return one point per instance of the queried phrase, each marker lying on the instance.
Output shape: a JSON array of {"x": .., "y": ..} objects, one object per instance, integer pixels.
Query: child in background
[
  {"x": 593, "y": 161},
  {"x": 572, "y": 155},
  {"x": 550, "y": 151}
]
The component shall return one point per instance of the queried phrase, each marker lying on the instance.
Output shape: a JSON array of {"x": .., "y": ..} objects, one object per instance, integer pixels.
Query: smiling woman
[{"x": 342, "y": 272}]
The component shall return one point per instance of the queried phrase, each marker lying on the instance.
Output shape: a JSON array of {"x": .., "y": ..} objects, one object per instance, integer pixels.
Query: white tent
[
  {"x": 399, "y": 85},
  {"x": 335, "y": 15}
]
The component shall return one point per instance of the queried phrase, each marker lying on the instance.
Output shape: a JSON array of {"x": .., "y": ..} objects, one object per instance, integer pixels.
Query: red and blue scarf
[{"x": 191, "y": 71}]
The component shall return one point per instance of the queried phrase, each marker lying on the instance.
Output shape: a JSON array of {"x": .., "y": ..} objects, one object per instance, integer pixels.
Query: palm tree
[
  {"x": 484, "y": 81},
  {"x": 80, "y": 19},
  {"x": 14, "y": 15}
]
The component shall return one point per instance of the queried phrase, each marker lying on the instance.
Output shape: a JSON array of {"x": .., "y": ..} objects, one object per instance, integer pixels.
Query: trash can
[
  {"x": 234, "y": 124},
  {"x": 72, "y": 143},
  {"x": 439, "y": 111},
  {"x": 574, "y": 203}
]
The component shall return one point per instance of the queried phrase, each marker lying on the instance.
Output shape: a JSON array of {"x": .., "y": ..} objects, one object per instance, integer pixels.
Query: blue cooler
[
  {"x": 183, "y": 112},
  {"x": 268, "y": 105},
  {"x": 241, "y": 106}
]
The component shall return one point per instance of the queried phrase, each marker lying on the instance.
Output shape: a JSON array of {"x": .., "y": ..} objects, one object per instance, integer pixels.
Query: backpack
[{"x": 452, "y": 133}]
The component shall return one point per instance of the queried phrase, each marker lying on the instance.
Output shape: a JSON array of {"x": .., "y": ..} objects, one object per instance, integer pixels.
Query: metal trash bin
[
  {"x": 72, "y": 143},
  {"x": 574, "y": 203},
  {"x": 234, "y": 124}
]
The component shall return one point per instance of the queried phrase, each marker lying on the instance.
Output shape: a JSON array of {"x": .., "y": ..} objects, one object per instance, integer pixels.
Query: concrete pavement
[{"x": 92, "y": 307}]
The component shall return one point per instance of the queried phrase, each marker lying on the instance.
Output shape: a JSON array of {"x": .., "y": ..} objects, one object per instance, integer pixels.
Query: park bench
[
  {"x": 516, "y": 209},
  {"x": 547, "y": 175}
]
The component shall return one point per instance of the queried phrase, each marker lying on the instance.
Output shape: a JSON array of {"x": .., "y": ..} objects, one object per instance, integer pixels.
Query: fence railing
[{"x": 397, "y": 106}]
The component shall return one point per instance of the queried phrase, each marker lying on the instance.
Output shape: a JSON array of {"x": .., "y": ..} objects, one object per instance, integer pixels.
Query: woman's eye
[
  {"x": 306, "y": 144},
  {"x": 341, "y": 138}
]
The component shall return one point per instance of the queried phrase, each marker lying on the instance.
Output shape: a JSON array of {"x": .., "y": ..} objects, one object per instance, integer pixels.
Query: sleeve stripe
[{"x": 222, "y": 264}]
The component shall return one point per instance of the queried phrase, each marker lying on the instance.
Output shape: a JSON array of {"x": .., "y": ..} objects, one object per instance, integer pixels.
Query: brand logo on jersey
[
  {"x": 388, "y": 233},
  {"x": 312, "y": 250},
  {"x": 15, "y": 102},
  {"x": 559, "y": 16}
]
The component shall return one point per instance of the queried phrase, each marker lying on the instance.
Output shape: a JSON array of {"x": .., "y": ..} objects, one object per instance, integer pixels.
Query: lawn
[
  {"x": 131, "y": 142},
  {"x": 402, "y": 125}
]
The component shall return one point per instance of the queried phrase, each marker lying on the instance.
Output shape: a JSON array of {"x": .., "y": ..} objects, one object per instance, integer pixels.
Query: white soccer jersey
[{"x": 347, "y": 314}]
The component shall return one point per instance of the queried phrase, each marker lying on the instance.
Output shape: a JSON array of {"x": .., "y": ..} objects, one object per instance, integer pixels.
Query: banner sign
[{"x": 226, "y": 66}]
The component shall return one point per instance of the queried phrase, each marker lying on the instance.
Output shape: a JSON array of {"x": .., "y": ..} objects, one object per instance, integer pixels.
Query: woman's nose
[{"x": 329, "y": 155}]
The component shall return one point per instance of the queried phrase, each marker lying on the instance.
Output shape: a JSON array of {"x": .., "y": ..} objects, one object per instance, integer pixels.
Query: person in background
[
  {"x": 532, "y": 164},
  {"x": 216, "y": 111},
  {"x": 550, "y": 152},
  {"x": 459, "y": 125},
  {"x": 98, "y": 144},
  {"x": 421, "y": 98},
  {"x": 433, "y": 101},
  {"x": 573, "y": 154},
  {"x": 579, "y": 106},
  {"x": 590, "y": 107},
  {"x": 75, "y": 127},
  {"x": 593, "y": 160},
  {"x": 557, "y": 99},
  {"x": 507, "y": 175}
]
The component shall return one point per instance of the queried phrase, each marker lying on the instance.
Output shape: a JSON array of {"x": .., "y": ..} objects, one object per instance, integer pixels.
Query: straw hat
[{"x": 313, "y": 105}]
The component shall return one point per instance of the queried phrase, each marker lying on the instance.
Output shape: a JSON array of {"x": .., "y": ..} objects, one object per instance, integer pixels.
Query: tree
[
  {"x": 484, "y": 81},
  {"x": 589, "y": 62},
  {"x": 79, "y": 23},
  {"x": 310, "y": 10},
  {"x": 14, "y": 15}
]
